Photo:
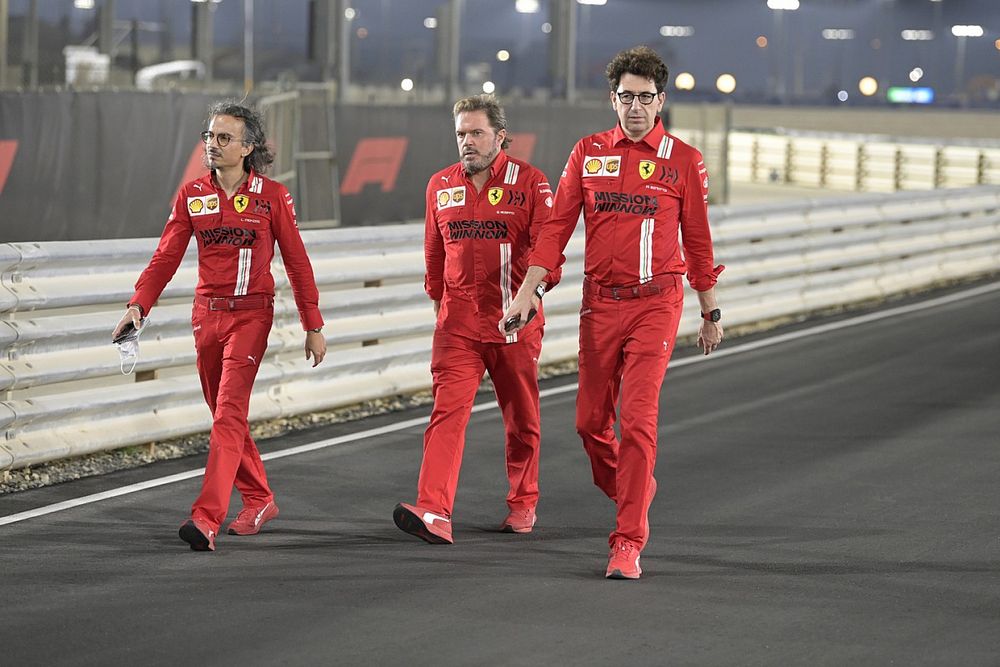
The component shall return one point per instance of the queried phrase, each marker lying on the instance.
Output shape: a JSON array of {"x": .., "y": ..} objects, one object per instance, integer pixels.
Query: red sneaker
[
  {"x": 251, "y": 519},
  {"x": 519, "y": 521},
  {"x": 423, "y": 523},
  {"x": 623, "y": 562},
  {"x": 198, "y": 535}
]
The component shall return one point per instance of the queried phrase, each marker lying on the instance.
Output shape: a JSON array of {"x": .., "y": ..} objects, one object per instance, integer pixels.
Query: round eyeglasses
[
  {"x": 627, "y": 97},
  {"x": 223, "y": 138}
]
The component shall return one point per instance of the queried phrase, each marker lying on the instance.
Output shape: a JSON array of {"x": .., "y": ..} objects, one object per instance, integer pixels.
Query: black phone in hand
[{"x": 514, "y": 320}]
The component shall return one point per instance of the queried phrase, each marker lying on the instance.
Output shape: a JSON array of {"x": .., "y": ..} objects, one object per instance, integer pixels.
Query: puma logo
[
  {"x": 252, "y": 360},
  {"x": 430, "y": 517}
]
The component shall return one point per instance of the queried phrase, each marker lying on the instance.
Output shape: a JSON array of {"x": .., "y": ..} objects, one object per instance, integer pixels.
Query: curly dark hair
[
  {"x": 640, "y": 61},
  {"x": 494, "y": 112},
  {"x": 261, "y": 156}
]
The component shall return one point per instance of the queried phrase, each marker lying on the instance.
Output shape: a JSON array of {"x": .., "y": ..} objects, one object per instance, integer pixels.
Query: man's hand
[
  {"x": 524, "y": 300},
  {"x": 315, "y": 347},
  {"x": 709, "y": 336},
  {"x": 133, "y": 315},
  {"x": 520, "y": 313}
]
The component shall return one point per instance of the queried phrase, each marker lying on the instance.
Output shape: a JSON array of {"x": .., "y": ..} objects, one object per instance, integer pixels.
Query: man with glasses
[
  {"x": 638, "y": 187},
  {"x": 236, "y": 215},
  {"x": 481, "y": 216}
]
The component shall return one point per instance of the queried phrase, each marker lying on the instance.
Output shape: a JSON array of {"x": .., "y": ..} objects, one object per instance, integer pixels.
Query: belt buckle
[
  {"x": 614, "y": 293},
  {"x": 224, "y": 303}
]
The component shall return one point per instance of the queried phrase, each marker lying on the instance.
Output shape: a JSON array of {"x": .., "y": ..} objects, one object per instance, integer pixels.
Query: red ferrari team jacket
[
  {"x": 635, "y": 196},
  {"x": 236, "y": 240},
  {"x": 476, "y": 245}
]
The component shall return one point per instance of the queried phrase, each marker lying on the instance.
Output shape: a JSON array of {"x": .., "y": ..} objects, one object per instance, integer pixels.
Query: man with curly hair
[
  {"x": 640, "y": 189},
  {"x": 236, "y": 214}
]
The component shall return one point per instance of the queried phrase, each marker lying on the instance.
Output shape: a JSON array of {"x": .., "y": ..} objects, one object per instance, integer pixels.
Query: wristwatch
[
  {"x": 539, "y": 290},
  {"x": 713, "y": 315},
  {"x": 316, "y": 330}
]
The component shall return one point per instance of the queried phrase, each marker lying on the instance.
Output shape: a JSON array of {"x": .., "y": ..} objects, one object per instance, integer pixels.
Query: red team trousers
[
  {"x": 230, "y": 345},
  {"x": 457, "y": 365},
  {"x": 630, "y": 337}
]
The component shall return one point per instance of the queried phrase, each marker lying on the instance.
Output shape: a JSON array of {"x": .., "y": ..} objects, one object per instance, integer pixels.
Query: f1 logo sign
[{"x": 375, "y": 160}]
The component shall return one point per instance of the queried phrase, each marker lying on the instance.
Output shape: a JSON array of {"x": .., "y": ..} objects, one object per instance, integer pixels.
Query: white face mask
[{"x": 128, "y": 348}]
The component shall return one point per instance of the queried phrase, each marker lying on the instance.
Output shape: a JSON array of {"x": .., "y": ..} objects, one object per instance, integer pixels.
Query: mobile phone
[
  {"x": 514, "y": 320},
  {"x": 128, "y": 332}
]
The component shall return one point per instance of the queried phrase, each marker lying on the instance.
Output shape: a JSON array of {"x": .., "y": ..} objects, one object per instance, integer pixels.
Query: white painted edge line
[{"x": 409, "y": 423}]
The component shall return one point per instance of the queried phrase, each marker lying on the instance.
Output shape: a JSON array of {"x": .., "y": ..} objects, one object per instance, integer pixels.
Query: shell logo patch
[
  {"x": 196, "y": 206},
  {"x": 495, "y": 195},
  {"x": 646, "y": 169},
  {"x": 240, "y": 203},
  {"x": 607, "y": 165},
  {"x": 450, "y": 197}
]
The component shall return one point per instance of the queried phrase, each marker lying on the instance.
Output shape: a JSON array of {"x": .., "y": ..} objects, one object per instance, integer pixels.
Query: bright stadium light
[
  {"x": 786, "y": 5},
  {"x": 916, "y": 74},
  {"x": 503, "y": 55},
  {"x": 546, "y": 27},
  {"x": 842, "y": 95},
  {"x": 526, "y": 6},
  {"x": 838, "y": 33},
  {"x": 676, "y": 30},
  {"x": 684, "y": 81},
  {"x": 868, "y": 86},
  {"x": 406, "y": 85},
  {"x": 726, "y": 83},
  {"x": 83, "y": 4},
  {"x": 967, "y": 30},
  {"x": 917, "y": 35},
  {"x": 488, "y": 87},
  {"x": 592, "y": 2},
  {"x": 350, "y": 13},
  {"x": 430, "y": 22}
]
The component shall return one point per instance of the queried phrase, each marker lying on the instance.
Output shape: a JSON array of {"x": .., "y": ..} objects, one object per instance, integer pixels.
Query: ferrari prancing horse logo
[
  {"x": 495, "y": 195},
  {"x": 240, "y": 203},
  {"x": 646, "y": 169}
]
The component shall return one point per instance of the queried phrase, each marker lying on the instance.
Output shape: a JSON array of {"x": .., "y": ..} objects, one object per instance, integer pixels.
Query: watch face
[
  {"x": 539, "y": 291},
  {"x": 716, "y": 315}
]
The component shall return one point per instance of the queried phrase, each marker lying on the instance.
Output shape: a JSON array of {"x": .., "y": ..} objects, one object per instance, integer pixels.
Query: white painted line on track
[{"x": 552, "y": 391}]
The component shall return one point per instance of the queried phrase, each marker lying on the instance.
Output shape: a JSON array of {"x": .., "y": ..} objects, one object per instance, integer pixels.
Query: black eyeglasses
[
  {"x": 223, "y": 138},
  {"x": 626, "y": 97}
]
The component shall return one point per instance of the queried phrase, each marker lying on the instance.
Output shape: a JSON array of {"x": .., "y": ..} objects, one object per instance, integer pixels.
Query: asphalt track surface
[{"x": 828, "y": 497}]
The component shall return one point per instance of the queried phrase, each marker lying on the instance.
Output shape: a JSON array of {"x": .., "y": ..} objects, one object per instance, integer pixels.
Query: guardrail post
[
  {"x": 754, "y": 157},
  {"x": 897, "y": 169},
  {"x": 938, "y": 166},
  {"x": 789, "y": 160},
  {"x": 824, "y": 164},
  {"x": 981, "y": 168},
  {"x": 859, "y": 170}
]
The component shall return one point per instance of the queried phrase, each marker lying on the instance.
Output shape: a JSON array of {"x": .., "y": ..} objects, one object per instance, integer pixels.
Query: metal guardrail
[
  {"x": 64, "y": 394},
  {"x": 860, "y": 163}
]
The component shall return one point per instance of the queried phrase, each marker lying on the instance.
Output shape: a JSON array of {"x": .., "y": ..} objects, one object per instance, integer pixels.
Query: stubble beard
[{"x": 474, "y": 166}]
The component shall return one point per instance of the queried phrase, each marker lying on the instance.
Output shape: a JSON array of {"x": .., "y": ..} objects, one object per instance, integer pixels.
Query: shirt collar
[
  {"x": 210, "y": 177},
  {"x": 652, "y": 138}
]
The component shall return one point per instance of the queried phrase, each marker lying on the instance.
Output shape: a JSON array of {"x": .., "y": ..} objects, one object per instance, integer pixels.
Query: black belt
[
  {"x": 629, "y": 291},
  {"x": 248, "y": 302}
]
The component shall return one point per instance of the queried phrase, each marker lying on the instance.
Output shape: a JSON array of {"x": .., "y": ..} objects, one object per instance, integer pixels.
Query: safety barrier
[
  {"x": 64, "y": 394},
  {"x": 858, "y": 162}
]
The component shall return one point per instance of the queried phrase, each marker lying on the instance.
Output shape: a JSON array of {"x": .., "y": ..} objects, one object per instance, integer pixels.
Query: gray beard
[{"x": 479, "y": 167}]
